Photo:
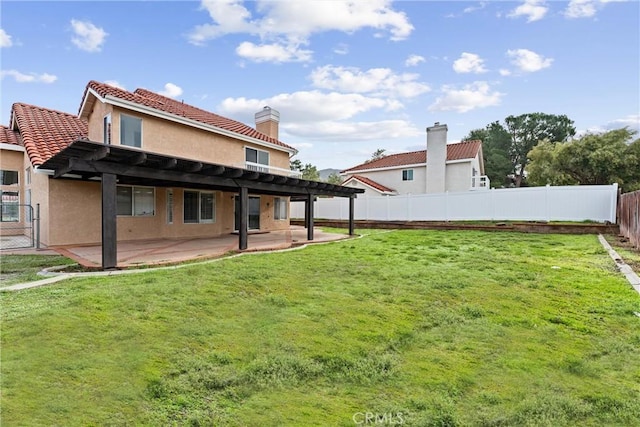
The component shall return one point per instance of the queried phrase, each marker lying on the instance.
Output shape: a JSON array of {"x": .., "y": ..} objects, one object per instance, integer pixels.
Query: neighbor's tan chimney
[{"x": 267, "y": 122}]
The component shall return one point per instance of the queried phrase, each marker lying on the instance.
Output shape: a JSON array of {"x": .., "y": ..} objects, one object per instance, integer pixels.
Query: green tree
[
  {"x": 495, "y": 148},
  {"x": 377, "y": 155},
  {"x": 334, "y": 178},
  {"x": 295, "y": 165},
  {"x": 593, "y": 159},
  {"x": 309, "y": 172},
  {"x": 527, "y": 130}
]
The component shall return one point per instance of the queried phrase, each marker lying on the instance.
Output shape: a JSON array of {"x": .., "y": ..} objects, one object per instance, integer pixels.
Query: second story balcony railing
[
  {"x": 259, "y": 167},
  {"x": 480, "y": 182}
]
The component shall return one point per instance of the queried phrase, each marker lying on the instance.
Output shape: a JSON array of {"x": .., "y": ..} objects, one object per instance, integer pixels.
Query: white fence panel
[{"x": 568, "y": 203}]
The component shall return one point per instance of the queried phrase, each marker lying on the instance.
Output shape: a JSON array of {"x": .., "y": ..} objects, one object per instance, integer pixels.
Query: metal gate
[{"x": 18, "y": 226}]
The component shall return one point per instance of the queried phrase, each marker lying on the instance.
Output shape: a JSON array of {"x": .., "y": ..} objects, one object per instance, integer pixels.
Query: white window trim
[
  {"x": 286, "y": 208},
  {"x": 257, "y": 156},
  {"x": 141, "y": 131},
  {"x": 133, "y": 214},
  {"x": 407, "y": 175},
  {"x": 200, "y": 220}
]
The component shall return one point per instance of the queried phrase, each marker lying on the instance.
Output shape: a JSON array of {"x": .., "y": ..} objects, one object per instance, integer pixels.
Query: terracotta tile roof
[
  {"x": 168, "y": 105},
  {"x": 45, "y": 132},
  {"x": 371, "y": 183},
  {"x": 457, "y": 151},
  {"x": 8, "y": 136}
]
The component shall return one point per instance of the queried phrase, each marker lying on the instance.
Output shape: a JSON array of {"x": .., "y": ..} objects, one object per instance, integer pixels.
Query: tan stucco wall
[
  {"x": 76, "y": 216},
  {"x": 175, "y": 139},
  {"x": 13, "y": 161}
]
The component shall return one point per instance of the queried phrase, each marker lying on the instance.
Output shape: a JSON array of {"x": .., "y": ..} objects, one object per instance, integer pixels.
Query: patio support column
[
  {"x": 244, "y": 218},
  {"x": 109, "y": 222},
  {"x": 308, "y": 217},
  {"x": 351, "y": 214}
]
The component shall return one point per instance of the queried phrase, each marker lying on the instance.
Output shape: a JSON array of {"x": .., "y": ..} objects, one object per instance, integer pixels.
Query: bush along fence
[
  {"x": 629, "y": 217},
  {"x": 563, "y": 203}
]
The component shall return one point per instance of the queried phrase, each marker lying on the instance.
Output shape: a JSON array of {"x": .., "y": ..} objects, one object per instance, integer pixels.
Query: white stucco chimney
[
  {"x": 267, "y": 121},
  {"x": 436, "y": 158}
]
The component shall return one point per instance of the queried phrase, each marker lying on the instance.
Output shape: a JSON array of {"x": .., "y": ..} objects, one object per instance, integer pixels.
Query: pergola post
[
  {"x": 109, "y": 222},
  {"x": 351, "y": 214},
  {"x": 308, "y": 217},
  {"x": 244, "y": 219}
]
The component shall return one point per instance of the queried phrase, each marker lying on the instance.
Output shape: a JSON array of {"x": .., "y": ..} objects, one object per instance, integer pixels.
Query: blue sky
[{"x": 348, "y": 77}]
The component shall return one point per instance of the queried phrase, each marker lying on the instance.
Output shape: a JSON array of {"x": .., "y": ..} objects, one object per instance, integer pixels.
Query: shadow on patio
[{"x": 171, "y": 251}]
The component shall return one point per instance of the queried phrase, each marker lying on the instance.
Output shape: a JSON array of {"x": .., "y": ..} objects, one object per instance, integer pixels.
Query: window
[
  {"x": 8, "y": 177},
  {"x": 106, "y": 129},
  {"x": 130, "y": 131},
  {"x": 199, "y": 207},
  {"x": 169, "y": 206},
  {"x": 257, "y": 157},
  {"x": 135, "y": 201},
  {"x": 10, "y": 211},
  {"x": 280, "y": 208},
  {"x": 27, "y": 207},
  {"x": 27, "y": 176},
  {"x": 407, "y": 175}
]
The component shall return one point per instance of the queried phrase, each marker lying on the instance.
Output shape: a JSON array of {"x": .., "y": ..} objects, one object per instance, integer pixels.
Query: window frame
[
  {"x": 122, "y": 130},
  {"x": 258, "y": 152},
  {"x": 4, "y": 173},
  {"x": 16, "y": 204},
  {"x": 280, "y": 204},
  {"x": 407, "y": 175},
  {"x": 199, "y": 208},
  {"x": 106, "y": 129},
  {"x": 133, "y": 202}
]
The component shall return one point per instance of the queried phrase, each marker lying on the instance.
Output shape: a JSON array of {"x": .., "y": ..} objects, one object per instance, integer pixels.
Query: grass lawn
[
  {"x": 25, "y": 268},
  {"x": 429, "y": 328}
]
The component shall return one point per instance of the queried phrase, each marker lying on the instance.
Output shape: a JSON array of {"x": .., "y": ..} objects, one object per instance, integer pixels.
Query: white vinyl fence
[{"x": 568, "y": 203}]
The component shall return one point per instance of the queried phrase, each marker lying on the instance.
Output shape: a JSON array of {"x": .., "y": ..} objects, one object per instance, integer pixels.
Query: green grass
[
  {"x": 441, "y": 328},
  {"x": 25, "y": 268}
]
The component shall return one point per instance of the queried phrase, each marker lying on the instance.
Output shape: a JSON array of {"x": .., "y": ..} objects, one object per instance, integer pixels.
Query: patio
[{"x": 171, "y": 251}]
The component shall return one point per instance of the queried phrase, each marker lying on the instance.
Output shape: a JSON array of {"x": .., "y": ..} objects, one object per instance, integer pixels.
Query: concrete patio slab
[{"x": 171, "y": 251}]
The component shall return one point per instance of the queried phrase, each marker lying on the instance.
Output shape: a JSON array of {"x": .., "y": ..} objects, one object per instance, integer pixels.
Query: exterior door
[{"x": 253, "y": 211}]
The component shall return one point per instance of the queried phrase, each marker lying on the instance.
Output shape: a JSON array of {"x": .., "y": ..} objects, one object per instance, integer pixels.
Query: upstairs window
[
  {"x": 280, "y": 208},
  {"x": 8, "y": 177},
  {"x": 407, "y": 175},
  {"x": 130, "y": 131},
  {"x": 257, "y": 157}
]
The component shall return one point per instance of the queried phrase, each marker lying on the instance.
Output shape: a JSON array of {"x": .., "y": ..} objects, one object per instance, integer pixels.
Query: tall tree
[
  {"x": 495, "y": 148},
  {"x": 527, "y": 130},
  {"x": 593, "y": 159},
  {"x": 334, "y": 178},
  {"x": 309, "y": 171},
  {"x": 377, "y": 155}
]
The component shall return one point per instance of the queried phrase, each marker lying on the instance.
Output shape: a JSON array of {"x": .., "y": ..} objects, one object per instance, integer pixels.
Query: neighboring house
[
  {"x": 442, "y": 167},
  {"x": 181, "y": 171}
]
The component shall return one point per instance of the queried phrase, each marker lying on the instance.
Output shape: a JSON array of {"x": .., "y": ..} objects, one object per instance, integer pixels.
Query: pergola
[{"x": 84, "y": 159}]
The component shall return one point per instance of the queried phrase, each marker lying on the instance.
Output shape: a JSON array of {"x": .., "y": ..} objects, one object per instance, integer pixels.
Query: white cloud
[
  {"x": 470, "y": 9},
  {"x": 469, "y": 63},
  {"x": 584, "y": 8},
  {"x": 115, "y": 83},
  {"x": 528, "y": 61},
  {"x": 5, "y": 39},
  {"x": 534, "y": 10},
  {"x": 375, "y": 81},
  {"x": 353, "y": 131},
  {"x": 504, "y": 72},
  {"x": 291, "y": 23},
  {"x": 29, "y": 78},
  {"x": 471, "y": 96},
  {"x": 414, "y": 60},
  {"x": 300, "y": 145},
  {"x": 88, "y": 37},
  {"x": 273, "y": 53},
  {"x": 341, "y": 49},
  {"x": 171, "y": 90},
  {"x": 305, "y": 106}
]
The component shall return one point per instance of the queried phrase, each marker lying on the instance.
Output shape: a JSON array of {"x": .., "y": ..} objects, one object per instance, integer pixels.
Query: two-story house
[
  {"x": 441, "y": 167},
  {"x": 138, "y": 165}
]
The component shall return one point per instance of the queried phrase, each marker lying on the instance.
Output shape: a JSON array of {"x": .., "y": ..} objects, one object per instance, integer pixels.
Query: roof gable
[
  {"x": 457, "y": 151},
  {"x": 8, "y": 136},
  {"x": 371, "y": 183},
  {"x": 45, "y": 132},
  {"x": 178, "y": 109}
]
